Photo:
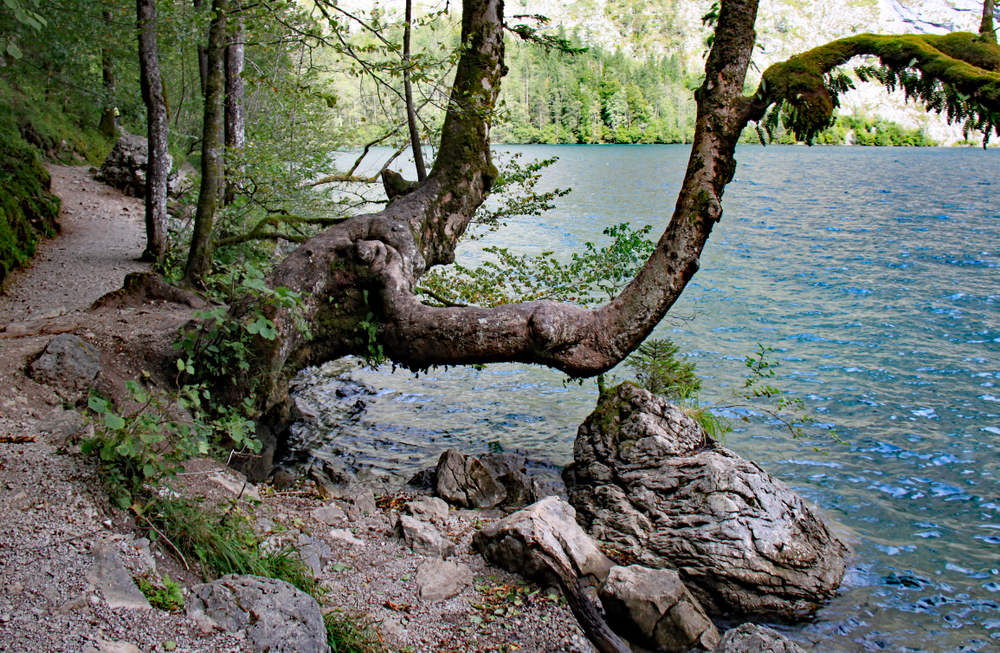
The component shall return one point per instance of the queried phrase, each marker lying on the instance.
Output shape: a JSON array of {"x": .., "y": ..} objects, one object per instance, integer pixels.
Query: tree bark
[
  {"x": 199, "y": 5},
  {"x": 411, "y": 114},
  {"x": 108, "y": 125},
  {"x": 986, "y": 30},
  {"x": 235, "y": 117},
  {"x": 200, "y": 255},
  {"x": 158, "y": 168}
]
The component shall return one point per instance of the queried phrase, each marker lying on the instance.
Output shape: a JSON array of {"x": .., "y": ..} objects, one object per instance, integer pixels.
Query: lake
[{"x": 873, "y": 275}]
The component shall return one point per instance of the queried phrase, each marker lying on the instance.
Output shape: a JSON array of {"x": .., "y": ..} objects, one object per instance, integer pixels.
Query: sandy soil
[{"x": 54, "y": 515}]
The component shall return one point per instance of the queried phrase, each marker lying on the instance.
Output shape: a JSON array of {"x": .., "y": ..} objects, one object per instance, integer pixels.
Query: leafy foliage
[
  {"x": 142, "y": 447},
  {"x": 351, "y": 633},
  {"x": 515, "y": 278},
  {"x": 657, "y": 369},
  {"x": 165, "y": 595}
]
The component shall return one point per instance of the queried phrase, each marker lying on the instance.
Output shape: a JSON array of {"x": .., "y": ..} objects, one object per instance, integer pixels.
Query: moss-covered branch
[{"x": 955, "y": 74}]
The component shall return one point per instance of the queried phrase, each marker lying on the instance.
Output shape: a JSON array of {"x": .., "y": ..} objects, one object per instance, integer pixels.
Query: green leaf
[
  {"x": 97, "y": 404},
  {"x": 114, "y": 422}
]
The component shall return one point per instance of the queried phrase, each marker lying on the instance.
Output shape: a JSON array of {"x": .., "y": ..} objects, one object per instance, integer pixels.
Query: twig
[{"x": 166, "y": 539}]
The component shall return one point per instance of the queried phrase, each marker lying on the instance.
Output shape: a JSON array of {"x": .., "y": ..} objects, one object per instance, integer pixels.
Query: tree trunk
[
  {"x": 363, "y": 271},
  {"x": 411, "y": 114},
  {"x": 200, "y": 254},
  {"x": 108, "y": 125},
  {"x": 202, "y": 55},
  {"x": 235, "y": 98},
  {"x": 986, "y": 29},
  {"x": 158, "y": 167}
]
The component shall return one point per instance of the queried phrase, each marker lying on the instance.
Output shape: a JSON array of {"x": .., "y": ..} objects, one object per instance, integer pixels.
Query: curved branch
[{"x": 960, "y": 61}]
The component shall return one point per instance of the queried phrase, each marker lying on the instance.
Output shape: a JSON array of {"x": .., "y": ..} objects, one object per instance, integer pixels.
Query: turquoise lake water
[{"x": 873, "y": 274}]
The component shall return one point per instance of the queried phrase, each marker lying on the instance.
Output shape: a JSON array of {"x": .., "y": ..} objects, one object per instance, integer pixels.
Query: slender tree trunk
[
  {"x": 411, "y": 114},
  {"x": 199, "y": 5},
  {"x": 200, "y": 254},
  {"x": 108, "y": 127},
  {"x": 158, "y": 167},
  {"x": 235, "y": 99},
  {"x": 986, "y": 28}
]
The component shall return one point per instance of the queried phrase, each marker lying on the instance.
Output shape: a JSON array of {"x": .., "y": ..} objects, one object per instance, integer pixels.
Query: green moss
[{"x": 28, "y": 211}]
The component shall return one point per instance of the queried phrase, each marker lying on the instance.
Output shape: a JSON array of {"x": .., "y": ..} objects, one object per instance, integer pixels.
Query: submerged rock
[
  {"x": 648, "y": 480},
  {"x": 751, "y": 638}
]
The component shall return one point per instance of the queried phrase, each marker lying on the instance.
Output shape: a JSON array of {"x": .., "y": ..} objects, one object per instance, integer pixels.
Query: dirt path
[{"x": 102, "y": 235}]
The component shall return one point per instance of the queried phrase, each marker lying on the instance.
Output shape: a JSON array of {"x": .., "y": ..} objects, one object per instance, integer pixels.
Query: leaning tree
[{"x": 357, "y": 280}]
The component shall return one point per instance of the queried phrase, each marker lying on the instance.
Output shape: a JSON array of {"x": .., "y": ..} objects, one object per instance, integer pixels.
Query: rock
[
  {"x": 441, "y": 579},
  {"x": 63, "y": 425},
  {"x": 109, "y": 574},
  {"x": 331, "y": 515},
  {"x": 237, "y": 486},
  {"x": 314, "y": 552},
  {"x": 648, "y": 480},
  {"x": 466, "y": 482},
  {"x": 360, "y": 504},
  {"x": 68, "y": 362},
  {"x": 510, "y": 471},
  {"x": 751, "y": 638},
  {"x": 513, "y": 543},
  {"x": 273, "y": 615},
  {"x": 427, "y": 509},
  {"x": 125, "y": 168},
  {"x": 423, "y": 538},
  {"x": 345, "y": 536},
  {"x": 651, "y": 607}
]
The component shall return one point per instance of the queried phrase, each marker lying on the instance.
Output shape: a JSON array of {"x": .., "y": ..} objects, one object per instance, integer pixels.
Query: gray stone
[
  {"x": 314, "y": 552},
  {"x": 331, "y": 515},
  {"x": 651, "y": 607},
  {"x": 649, "y": 481},
  {"x": 360, "y": 504},
  {"x": 346, "y": 537},
  {"x": 126, "y": 166},
  {"x": 427, "y": 509},
  {"x": 423, "y": 538},
  {"x": 751, "y": 638},
  {"x": 550, "y": 524},
  {"x": 62, "y": 425},
  {"x": 441, "y": 579},
  {"x": 68, "y": 362},
  {"x": 109, "y": 574},
  {"x": 466, "y": 482},
  {"x": 274, "y": 616}
]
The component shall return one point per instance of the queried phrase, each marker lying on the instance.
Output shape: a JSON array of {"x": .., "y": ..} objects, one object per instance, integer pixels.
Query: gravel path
[
  {"x": 102, "y": 235},
  {"x": 58, "y": 532}
]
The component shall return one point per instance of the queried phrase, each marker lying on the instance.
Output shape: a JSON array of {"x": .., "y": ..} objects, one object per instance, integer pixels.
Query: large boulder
[
  {"x": 548, "y": 527},
  {"x": 752, "y": 638},
  {"x": 126, "y": 166},
  {"x": 653, "y": 608},
  {"x": 275, "y": 616},
  {"x": 650, "y": 482}
]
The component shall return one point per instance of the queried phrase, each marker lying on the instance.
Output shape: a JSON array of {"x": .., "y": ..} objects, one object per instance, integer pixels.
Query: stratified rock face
[
  {"x": 751, "y": 638},
  {"x": 648, "y": 480},
  {"x": 272, "y": 614},
  {"x": 654, "y": 608}
]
